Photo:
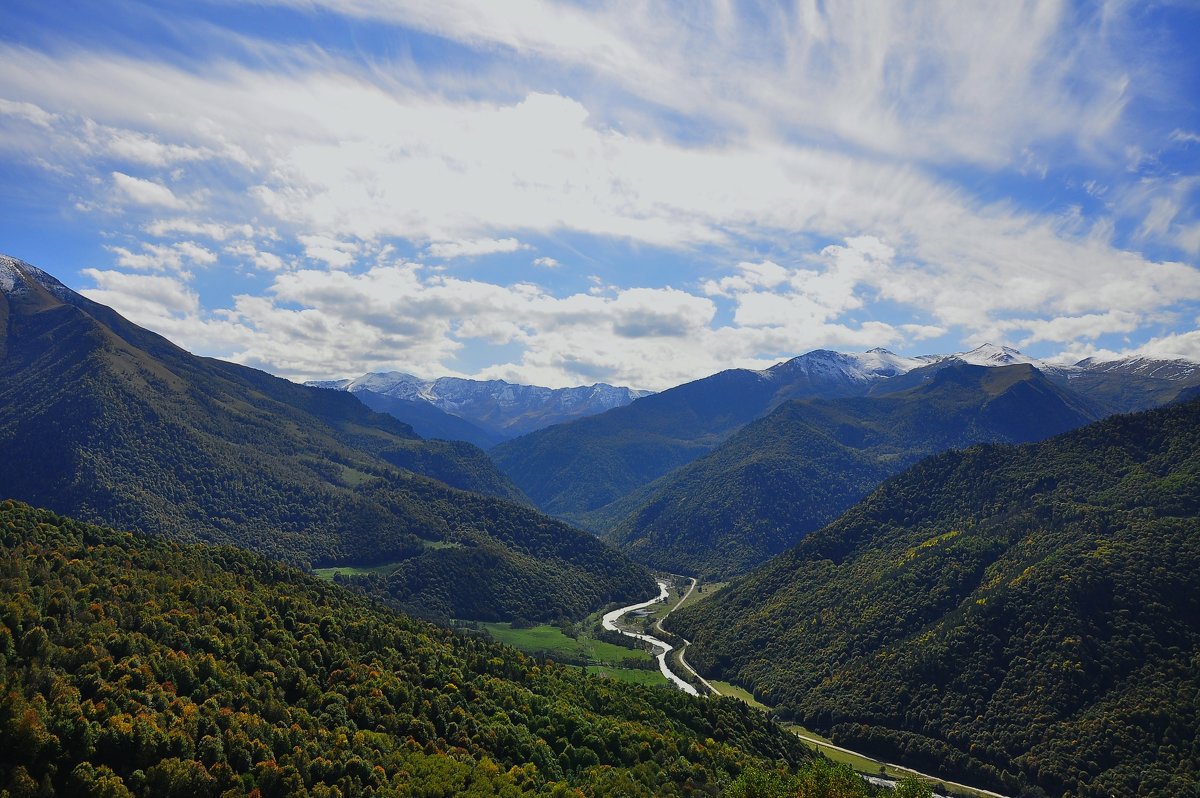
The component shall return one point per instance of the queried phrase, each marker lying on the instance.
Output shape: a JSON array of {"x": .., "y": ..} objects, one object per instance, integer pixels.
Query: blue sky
[{"x": 560, "y": 193}]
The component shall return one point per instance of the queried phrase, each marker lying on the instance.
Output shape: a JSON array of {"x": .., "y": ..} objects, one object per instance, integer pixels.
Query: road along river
[{"x": 661, "y": 648}]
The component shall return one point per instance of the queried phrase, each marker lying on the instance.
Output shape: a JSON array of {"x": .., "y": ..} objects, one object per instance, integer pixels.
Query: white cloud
[
  {"x": 473, "y": 247},
  {"x": 145, "y": 192},
  {"x": 144, "y": 299},
  {"x": 986, "y": 82},
  {"x": 140, "y": 148},
  {"x": 337, "y": 254},
  {"x": 29, "y": 112},
  {"x": 750, "y": 276},
  {"x": 263, "y": 259},
  {"x": 162, "y": 257},
  {"x": 798, "y": 124},
  {"x": 1175, "y": 345},
  {"x": 1072, "y": 328},
  {"x": 162, "y": 228}
]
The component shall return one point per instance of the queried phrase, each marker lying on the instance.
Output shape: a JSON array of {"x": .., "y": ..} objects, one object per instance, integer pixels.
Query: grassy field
[
  {"x": 733, "y": 691},
  {"x": 652, "y": 678},
  {"x": 383, "y": 569},
  {"x": 351, "y": 570},
  {"x": 551, "y": 641},
  {"x": 705, "y": 590}
]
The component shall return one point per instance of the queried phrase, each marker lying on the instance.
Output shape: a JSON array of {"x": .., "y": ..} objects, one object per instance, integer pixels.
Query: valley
[
  {"x": 599, "y": 399},
  {"x": 859, "y": 528}
]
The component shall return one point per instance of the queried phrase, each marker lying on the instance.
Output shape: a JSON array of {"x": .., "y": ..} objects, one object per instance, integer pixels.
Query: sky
[{"x": 643, "y": 194}]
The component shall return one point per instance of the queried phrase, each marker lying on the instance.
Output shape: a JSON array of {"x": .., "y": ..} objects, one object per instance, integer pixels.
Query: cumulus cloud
[
  {"x": 337, "y": 254},
  {"x": 145, "y": 299},
  {"x": 145, "y": 192},
  {"x": 263, "y": 259}
]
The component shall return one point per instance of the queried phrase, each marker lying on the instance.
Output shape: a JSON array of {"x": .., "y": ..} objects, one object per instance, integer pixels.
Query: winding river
[{"x": 661, "y": 647}]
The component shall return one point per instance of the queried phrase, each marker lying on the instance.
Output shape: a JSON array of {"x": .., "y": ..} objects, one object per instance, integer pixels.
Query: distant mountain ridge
[
  {"x": 502, "y": 410},
  {"x": 798, "y": 468},
  {"x": 577, "y": 469},
  {"x": 109, "y": 422},
  {"x": 573, "y": 468}
]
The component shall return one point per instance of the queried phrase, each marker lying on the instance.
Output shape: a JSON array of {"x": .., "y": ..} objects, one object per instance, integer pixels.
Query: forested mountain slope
[
  {"x": 783, "y": 476},
  {"x": 574, "y": 468},
  {"x": 137, "y": 666},
  {"x": 109, "y": 422},
  {"x": 1021, "y": 616}
]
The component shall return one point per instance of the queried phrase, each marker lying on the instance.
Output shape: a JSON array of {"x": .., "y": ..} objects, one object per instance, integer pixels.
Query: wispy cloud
[
  {"x": 773, "y": 177},
  {"x": 474, "y": 247}
]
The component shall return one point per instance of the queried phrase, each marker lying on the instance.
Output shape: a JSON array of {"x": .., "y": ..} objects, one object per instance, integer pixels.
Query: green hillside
[
  {"x": 585, "y": 464},
  {"x": 137, "y": 666},
  {"x": 108, "y": 422},
  {"x": 1025, "y": 617},
  {"x": 783, "y": 476}
]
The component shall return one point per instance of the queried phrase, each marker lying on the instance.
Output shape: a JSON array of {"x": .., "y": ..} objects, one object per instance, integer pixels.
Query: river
[{"x": 662, "y": 647}]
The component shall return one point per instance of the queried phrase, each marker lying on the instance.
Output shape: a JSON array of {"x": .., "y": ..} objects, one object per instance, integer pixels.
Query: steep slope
[
  {"x": 1135, "y": 383},
  {"x": 578, "y": 467},
  {"x": 133, "y": 666},
  {"x": 1027, "y": 617},
  {"x": 502, "y": 409},
  {"x": 109, "y": 422},
  {"x": 783, "y": 476}
]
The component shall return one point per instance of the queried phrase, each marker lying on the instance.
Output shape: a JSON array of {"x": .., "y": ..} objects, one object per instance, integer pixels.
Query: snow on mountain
[
  {"x": 992, "y": 355},
  {"x": 854, "y": 367},
  {"x": 496, "y": 405},
  {"x": 14, "y": 272},
  {"x": 1160, "y": 368},
  {"x": 10, "y": 274}
]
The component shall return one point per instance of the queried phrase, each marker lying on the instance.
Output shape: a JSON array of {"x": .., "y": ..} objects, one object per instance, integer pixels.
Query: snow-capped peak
[
  {"x": 14, "y": 274},
  {"x": 501, "y": 406},
  {"x": 11, "y": 277},
  {"x": 1167, "y": 367},
  {"x": 866, "y": 366},
  {"x": 887, "y": 363},
  {"x": 992, "y": 355},
  {"x": 392, "y": 383}
]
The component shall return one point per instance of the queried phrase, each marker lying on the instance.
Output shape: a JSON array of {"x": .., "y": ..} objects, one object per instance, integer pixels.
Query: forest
[
  {"x": 785, "y": 475},
  {"x": 1025, "y": 618},
  {"x": 107, "y": 422},
  {"x": 136, "y": 666}
]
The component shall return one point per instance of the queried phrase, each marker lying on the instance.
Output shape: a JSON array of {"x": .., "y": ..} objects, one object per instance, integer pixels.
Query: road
[
  {"x": 818, "y": 744},
  {"x": 663, "y": 648},
  {"x": 683, "y": 649}
]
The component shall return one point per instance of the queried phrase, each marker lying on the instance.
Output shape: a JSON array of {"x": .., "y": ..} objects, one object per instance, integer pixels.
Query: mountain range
[
  {"x": 795, "y": 470},
  {"x": 983, "y": 565},
  {"x": 108, "y": 422},
  {"x": 595, "y": 471},
  {"x": 484, "y": 412},
  {"x": 1022, "y": 617}
]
